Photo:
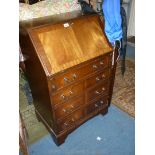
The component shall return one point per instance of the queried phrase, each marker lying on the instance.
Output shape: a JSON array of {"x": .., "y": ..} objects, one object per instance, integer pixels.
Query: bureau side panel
[{"x": 38, "y": 84}]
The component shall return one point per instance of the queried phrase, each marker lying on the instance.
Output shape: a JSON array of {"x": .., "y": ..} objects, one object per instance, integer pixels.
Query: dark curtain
[{"x": 123, "y": 40}]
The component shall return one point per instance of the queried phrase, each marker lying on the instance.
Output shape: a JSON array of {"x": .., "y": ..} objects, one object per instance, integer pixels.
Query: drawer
[
  {"x": 97, "y": 90},
  {"x": 71, "y": 120},
  {"x": 68, "y": 107},
  {"x": 74, "y": 74},
  {"x": 101, "y": 76},
  {"x": 67, "y": 93},
  {"x": 98, "y": 104}
]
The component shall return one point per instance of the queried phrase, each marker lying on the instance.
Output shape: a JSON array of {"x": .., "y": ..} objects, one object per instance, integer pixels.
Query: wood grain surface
[{"x": 65, "y": 47}]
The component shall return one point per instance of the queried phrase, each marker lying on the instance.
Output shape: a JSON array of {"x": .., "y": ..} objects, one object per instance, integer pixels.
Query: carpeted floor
[
  {"x": 112, "y": 134},
  {"x": 35, "y": 129},
  {"x": 124, "y": 89}
]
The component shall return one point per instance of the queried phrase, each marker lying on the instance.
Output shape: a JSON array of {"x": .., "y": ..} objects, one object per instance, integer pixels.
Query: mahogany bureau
[{"x": 71, "y": 73}]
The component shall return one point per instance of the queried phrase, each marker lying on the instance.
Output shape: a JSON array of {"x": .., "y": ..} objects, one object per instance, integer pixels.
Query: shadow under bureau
[{"x": 70, "y": 72}]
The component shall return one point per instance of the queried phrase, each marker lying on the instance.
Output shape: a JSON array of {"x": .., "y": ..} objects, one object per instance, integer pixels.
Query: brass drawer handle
[
  {"x": 71, "y": 92},
  {"x": 65, "y": 124},
  {"x": 101, "y": 63},
  {"x": 72, "y": 120},
  {"x": 98, "y": 79},
  {"x": 66, "y": 79},
  {"x": 95, "y": 66},
  {"x": 103, "y": 89},
  {"x": 63, "y": 96},
  {"x": 96, "y": 105},
  {"x": 65, "y": 111},
  {"x": 53, "y": 87},
  {"x": 74, "y": 76},
  {"x": 101, "y": 102},
  {"x": 72, "y": 107},
  {"x": 97, "y": 92},
  {"x": 68, "y": 111},
  {"x": 103, "y": 76}
]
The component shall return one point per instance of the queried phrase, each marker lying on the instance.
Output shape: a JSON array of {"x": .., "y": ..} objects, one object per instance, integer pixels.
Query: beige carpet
[
  {"x": 124, "y": 88},
  {"x": 35, "y": 129}
]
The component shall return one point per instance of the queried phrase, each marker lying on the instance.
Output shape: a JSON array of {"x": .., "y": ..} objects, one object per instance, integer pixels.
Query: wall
[
  {"x": 129, "y": 6},
  {"x": 131, "y": 23}
]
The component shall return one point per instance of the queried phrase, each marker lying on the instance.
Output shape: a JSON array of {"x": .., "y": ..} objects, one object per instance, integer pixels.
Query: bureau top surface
[{"x": 64, "y": 45}]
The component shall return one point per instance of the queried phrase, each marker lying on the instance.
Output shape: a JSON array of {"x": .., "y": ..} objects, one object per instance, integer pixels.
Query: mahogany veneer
[{"x": 70, "y": 73}]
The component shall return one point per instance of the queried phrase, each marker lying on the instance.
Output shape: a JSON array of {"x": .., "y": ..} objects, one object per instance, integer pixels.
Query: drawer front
[
  {"x": 61, "y": 80},
  {"x": 98, "y": 90},
  {"x": 68, "y": 107},
  {"x": 98, "y": 104},
  {"x": 71, "y": 120},
  {"x": 101, "y": 76},
  {"x": 68, "y": 93}
]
